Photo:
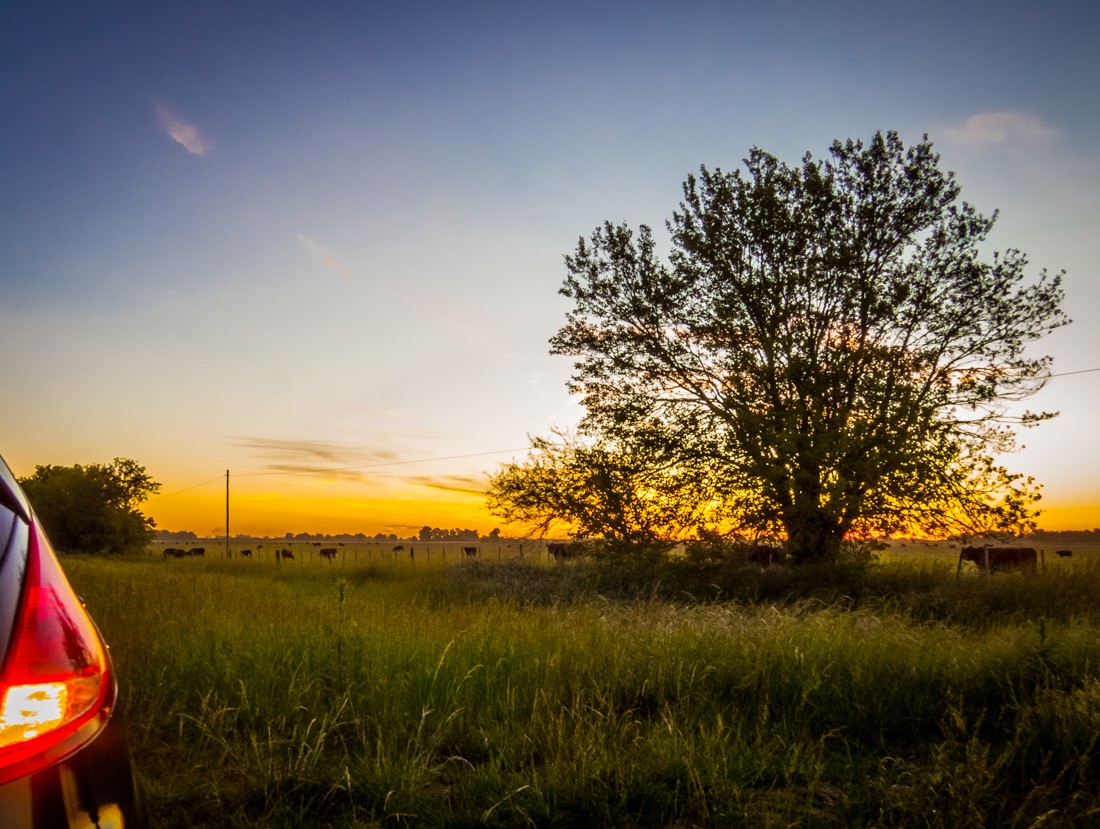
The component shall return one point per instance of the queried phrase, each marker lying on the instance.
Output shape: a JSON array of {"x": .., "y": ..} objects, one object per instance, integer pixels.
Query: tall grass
[{"x": 517, "y": 695}]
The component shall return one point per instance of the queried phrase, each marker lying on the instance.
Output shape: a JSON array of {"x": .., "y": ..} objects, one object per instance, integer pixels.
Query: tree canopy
[
  {"x": 828, "y": 350},
  {"x": 94, "y": 508}
]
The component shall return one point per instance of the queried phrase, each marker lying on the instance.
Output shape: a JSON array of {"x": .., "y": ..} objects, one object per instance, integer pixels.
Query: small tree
[
  {"x": 93, "y": 509},
  {"x": 602, "y": 490},
  {"x": 827, "y": 345}
]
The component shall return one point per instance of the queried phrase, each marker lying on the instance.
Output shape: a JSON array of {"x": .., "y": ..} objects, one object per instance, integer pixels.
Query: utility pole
[{"x": 227, "y": 553}]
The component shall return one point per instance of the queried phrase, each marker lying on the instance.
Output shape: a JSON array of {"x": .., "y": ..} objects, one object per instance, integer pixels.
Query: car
[{"x": 64, "y": 761}]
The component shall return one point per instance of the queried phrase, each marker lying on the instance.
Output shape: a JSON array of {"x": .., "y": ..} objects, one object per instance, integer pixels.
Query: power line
[
  {"x": 1079, "y": 371},
  {"x": 186, "y": 489}
]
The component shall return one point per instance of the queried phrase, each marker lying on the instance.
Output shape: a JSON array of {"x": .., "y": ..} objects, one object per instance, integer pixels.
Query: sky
[{"x": 319, "y": 245}]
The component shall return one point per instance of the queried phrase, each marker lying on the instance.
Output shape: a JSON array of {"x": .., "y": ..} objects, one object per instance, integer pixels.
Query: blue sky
[{"x": 283, "y": 238}]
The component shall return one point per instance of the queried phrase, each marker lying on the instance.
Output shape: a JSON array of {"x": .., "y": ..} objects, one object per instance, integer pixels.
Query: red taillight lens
[{"x": 56, "y": 687}]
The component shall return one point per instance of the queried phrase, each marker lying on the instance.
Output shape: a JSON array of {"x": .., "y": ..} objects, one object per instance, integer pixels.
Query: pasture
[{"x": 516, "y": 692}]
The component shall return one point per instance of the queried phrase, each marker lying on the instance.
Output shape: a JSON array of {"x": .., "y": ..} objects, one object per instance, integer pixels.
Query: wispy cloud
[
  {"x": 463, "y": 484},
  {"x": 315, "y": 249},
  {"x": 988, "y": 129},
  {"x": 315, "y": 458},
  {"x": 182, "y": 132},
  {"x": 328, "y": 473}
]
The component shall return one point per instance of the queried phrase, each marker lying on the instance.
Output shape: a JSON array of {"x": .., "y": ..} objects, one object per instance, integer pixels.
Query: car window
[{"x": 13, "y": 560}]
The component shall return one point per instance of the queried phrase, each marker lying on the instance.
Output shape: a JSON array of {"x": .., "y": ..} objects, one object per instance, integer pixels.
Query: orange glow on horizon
[
  {"x": 1074, "y": 516},
  {"x": 261, "y": 506},
  {"x": 402, "y": 511}
]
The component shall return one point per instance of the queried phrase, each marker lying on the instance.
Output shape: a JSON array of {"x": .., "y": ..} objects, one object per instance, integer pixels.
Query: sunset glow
[{"x": 338, "y": 509}]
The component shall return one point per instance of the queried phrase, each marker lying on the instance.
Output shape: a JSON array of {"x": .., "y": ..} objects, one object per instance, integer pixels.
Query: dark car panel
[
  {"x": 93, "y": 787},
  {"x": 63, "y": 756}
]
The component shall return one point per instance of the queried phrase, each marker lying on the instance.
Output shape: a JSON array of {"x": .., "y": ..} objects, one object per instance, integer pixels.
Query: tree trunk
[{"x": 812, "y": 535}]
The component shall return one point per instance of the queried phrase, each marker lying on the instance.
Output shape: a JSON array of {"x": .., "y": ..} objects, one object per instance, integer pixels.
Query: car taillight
[{"x": 56, "y": 685}]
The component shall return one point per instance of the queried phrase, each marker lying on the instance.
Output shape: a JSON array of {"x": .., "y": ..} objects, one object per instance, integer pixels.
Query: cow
[
  {"x": 561, "y": 551},
  {"x": 400, "y": 548},
  {"x": 246, "y": 553},
  {"x": 329, "y": 553},
  {"x": 992, "y": 559},
  {"x": 470, "y": 551},
  {"x": 764, "y": 555},
  {"x": 1064, "y": 553},
  {"x": 174, "y": 552},
  {"x": 286, "y": 554},
  {"x": 197, "y": 551}
]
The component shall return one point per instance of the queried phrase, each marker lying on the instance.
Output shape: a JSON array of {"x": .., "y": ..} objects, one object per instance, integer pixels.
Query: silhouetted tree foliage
[
  {"x": 601, "y": 491},
  {"x": 94, "y": 508},
  {"x": 827, "y": 351}
]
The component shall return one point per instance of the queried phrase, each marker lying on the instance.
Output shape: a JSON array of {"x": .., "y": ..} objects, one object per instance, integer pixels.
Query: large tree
[
  {"x": 93, "y": 508},
  {"x": 829, "y": 344}
]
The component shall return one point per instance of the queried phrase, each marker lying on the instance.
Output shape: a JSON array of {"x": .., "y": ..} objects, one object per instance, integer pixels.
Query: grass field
[{"x": 438, "y": 692}]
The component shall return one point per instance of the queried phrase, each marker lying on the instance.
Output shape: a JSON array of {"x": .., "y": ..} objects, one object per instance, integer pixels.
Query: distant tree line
[
  {"x": 425, "y": 534},
  {"x": 436, "y": 534}
]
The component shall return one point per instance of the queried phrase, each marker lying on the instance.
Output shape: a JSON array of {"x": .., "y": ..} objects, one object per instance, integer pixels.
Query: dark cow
[
  {"x": 286, "y": 554},
  {"x": 329, "y": 553},
  {"x": 561, "y": 551},
  {"x": 400, "y": 548},
  {"x": 764, "y": 555},
  {"x": 1064, "y": 553},
  {"x": 992, "y": 559},
  {"x": 197, "y": 551},
  {"x": 470, "y": 551},
  {"x": 246, "y": 553},
  {"x": 174, "y": 552}
]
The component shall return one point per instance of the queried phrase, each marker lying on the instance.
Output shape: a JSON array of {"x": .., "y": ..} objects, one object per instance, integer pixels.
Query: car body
[{"x": 63, "y": 757}]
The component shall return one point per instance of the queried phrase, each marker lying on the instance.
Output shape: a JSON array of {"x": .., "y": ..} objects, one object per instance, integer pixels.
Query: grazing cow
[
  {"x": 1064, "y": 553},
  {"x": 399, "y": 548},
  {"x": 992, "y": 559},
  {"x": 764, "y": 555},
  {"x": 197, "y": 551},
  {"x": 329, "y": 553},
  {"x": 470, "y": 551},
  {"x": 561, "y": 551},
  {"x": 174, "y": 552},
  {"x": 286, "y": 554},
  {"x": 246, "y": 553}
]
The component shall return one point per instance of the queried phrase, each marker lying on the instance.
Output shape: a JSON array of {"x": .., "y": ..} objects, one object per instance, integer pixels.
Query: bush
[{"x": 93, "y": 509}]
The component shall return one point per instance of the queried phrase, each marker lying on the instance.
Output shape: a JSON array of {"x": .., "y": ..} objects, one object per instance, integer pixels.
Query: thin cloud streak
[
  {"x": 324, "y": 472},
  {"x": 315, "y": 458},
  {"x": 182, "y": 132},
  {"x": 316, "y": 250},
  {"x": 987, "y": 129},
  {"x": 451, "y": 483}
]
